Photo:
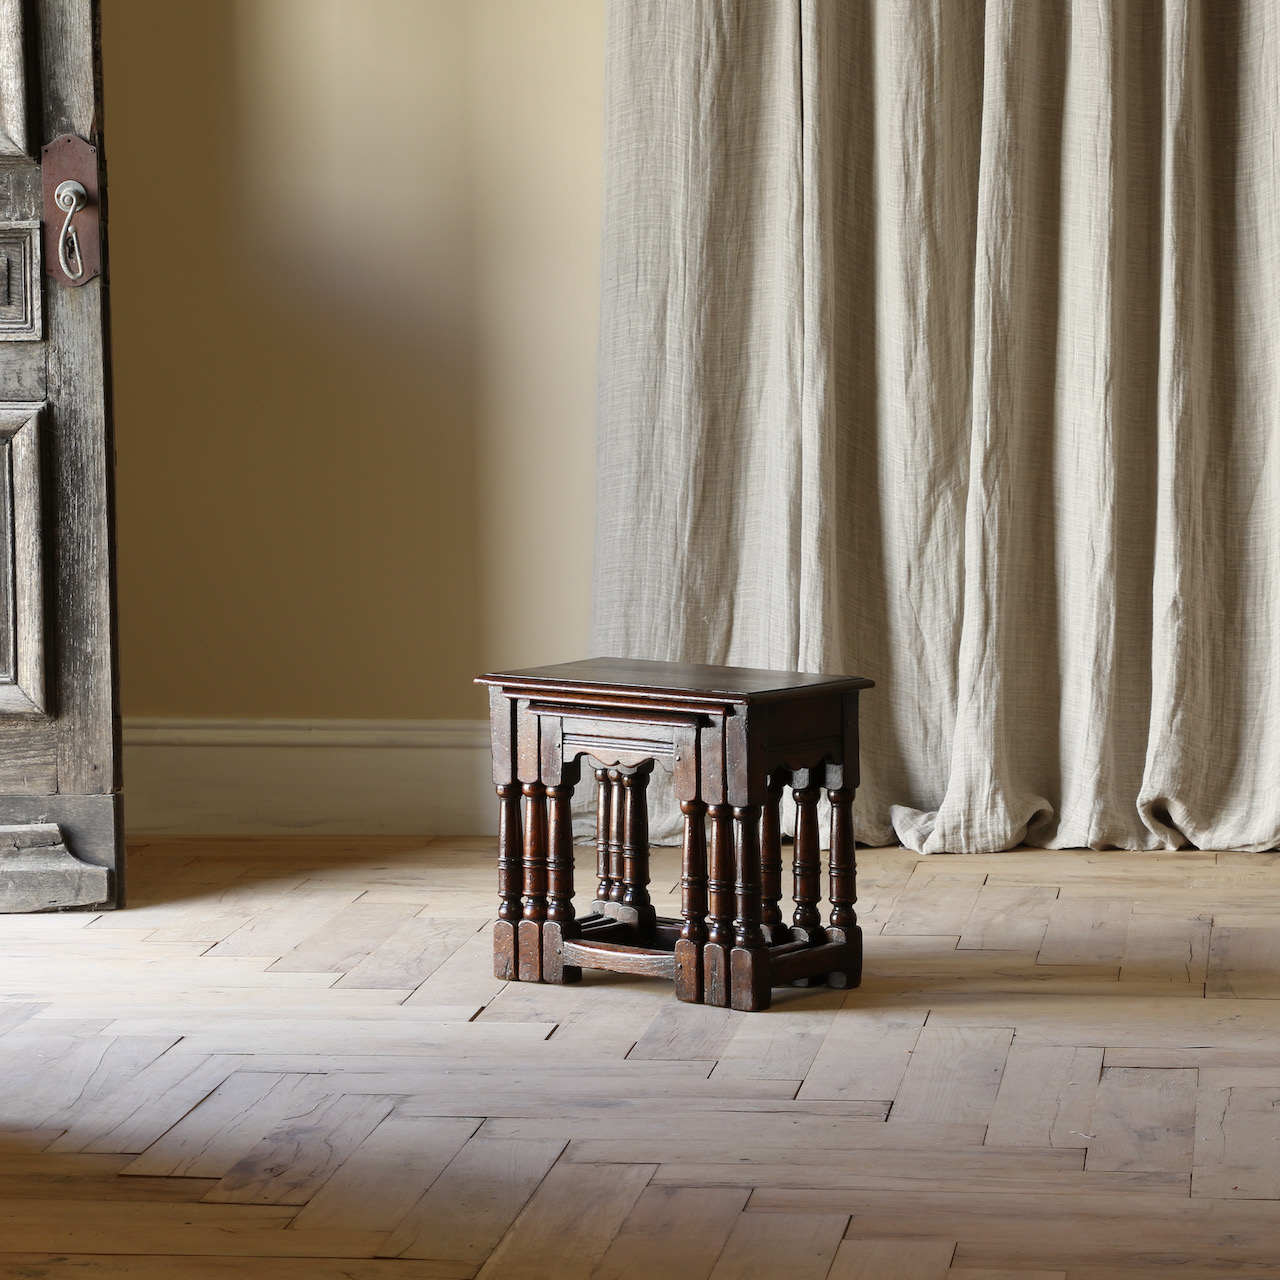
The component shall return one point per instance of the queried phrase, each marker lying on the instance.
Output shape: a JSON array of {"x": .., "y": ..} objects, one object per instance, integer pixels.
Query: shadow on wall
[{"x": 331, "y": 358}]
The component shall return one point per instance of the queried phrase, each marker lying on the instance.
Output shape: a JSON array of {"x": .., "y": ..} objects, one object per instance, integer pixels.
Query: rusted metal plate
[{"x": 71, "y": 159}]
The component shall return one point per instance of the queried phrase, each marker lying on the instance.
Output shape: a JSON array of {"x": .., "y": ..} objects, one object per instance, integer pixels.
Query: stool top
[{"x": 639, "y": 677}]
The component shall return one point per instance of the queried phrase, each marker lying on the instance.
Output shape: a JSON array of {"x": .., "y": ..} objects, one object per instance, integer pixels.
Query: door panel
[{"x": 58, "y": 717}]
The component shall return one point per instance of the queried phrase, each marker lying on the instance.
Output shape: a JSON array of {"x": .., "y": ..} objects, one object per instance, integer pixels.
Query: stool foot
[
  {"x": 689, "y": 971},
  {"x": 851, "y": 976},
  {"x": 529, "y": 951},
  {"x": 504, "y": 951},
  {"x": 716, "y": 981},
  {"x": 554, "y": 968},
  {"x": 750, "y": 979}
]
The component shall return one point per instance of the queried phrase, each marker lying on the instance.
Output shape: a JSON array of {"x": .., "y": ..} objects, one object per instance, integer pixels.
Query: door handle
[
  {"x": 71, "y": 209},
  {"x": 70, "y": 197}
]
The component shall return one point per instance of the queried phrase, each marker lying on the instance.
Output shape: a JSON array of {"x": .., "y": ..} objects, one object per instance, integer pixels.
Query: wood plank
[
  {"x": 881, "y": 1259},
  {"x": 110, "y": 1266},
  {"x": 782, "y": 1043},
  {"x": 673, "y": 1232},
  {"x": 388, "y": 1173},
  {"x": 800, "y": 1246},
  {"x": 996, "y": 1182},
  {"x": 1237, "y": 1143},
  {"x": 1046, "y": 1096},
  {"x": 796, "y": 1128},
  {"x": 303, "y": 1151},
  {"x": 740, "y": 1146},
  {"x": 1009, "y": 919},
  {"x": 411, "y": 954},
  {"x": 135, "y": 1115},
  {"x": 572, "y": 1217},
  {"x": 1244, "y": 963},
  {"x": 383, "y": 1035},
  {"x": 1168, "y": 947},
  {"x": 216, "y": 1133},
  {"x": 1032, "y": 1232},
  {"x": 470, "y": 1206},
  {"x": 465, "y": 977},
  {"x": 989, "y": 1273},
  {"x": 75, "y": 1227},
  {"x": 1118, "y": 1021},
  {"x": 698, "y": 1032},
  {"x": 286, "y": 923},
  {"x": 954, "y": 1075},
  {"x": 1086, "y": 931},
  {"x": 224, "y": 909},
  {"x": 346, "y": 938},
  {"x": 1143, "y": 1119},
  {"x": 934, "y": 904},
  {"x": 864, "y": 1055}
]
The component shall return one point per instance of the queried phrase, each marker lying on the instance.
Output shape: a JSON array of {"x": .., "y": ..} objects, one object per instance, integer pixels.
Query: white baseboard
[{"x": 340, "y": 777}]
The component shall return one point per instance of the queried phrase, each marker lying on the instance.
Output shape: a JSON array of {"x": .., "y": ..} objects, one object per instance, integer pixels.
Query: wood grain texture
[
  {"x": 871, "y": 1259},
  {"x": 798, "y": 1245},
  {"x": 438, "y": 1135},
  {"x": 1143, "y": 1119},
  {"x": 84, "y": 680},
  {"x": 470, "y": 1207}
]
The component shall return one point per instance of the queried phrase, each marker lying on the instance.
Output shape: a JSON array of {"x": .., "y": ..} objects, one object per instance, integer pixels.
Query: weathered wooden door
[{"x": 60, "y": 835}]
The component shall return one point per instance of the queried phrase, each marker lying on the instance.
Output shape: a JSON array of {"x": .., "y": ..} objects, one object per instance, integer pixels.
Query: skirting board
[{"x": 334, "y": 777}]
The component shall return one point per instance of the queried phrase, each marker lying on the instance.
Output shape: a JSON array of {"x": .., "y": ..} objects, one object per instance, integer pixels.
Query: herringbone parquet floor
[{"x": 289, "y": 1059}]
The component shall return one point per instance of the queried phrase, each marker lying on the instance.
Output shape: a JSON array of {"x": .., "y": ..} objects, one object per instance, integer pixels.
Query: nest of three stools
[{"x": 733, "y": 740}]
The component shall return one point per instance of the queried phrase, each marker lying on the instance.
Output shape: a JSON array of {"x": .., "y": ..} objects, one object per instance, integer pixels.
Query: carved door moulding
[
  {"x": 20, "y": 293},
  {"x": 39, "y": 873},
  {"x": 22, "y": 686},
  {"x": 13, "y": 77}
]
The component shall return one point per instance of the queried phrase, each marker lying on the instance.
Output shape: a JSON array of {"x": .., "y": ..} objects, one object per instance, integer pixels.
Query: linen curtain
[{"x": 939, "y": 345}]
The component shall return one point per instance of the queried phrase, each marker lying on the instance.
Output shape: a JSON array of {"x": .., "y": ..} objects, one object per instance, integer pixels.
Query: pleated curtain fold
[{"x": 939, "y": 345}]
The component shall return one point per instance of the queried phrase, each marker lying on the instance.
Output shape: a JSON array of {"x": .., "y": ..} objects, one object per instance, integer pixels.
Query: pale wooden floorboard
[{"x": 291, "y": 1059}]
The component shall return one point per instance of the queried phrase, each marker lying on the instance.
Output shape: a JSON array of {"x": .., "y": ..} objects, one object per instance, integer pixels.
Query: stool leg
[
  {"x": 604, "y": 829},
  {"x": 771, "y": 864},
  {"x": 715, "y": 954},
  {"x": 560, "y": 914},
  {"x": 635, "y": 848},
  {"x": 693, "y": 902},
  {"x": 510, "y": 855},
  {"x": 844, "y": 920},
  {"x": 529, "y": 933},
  {"x": 749, "y": 960},
  {"x": 806, "y": 921},
  {"x": 617, "y": 819}
]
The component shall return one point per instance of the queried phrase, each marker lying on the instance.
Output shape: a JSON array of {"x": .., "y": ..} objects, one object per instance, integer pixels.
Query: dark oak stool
[{"x": 732, "y": 738}]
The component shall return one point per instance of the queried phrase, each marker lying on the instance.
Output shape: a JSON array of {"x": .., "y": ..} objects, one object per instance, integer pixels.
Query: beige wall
[{"x": 354, "y": 281}]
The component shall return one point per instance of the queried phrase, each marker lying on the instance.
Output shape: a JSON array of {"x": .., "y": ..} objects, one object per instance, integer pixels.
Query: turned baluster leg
[
  {"x": 560, "y": 914},
  {"x": 635, "y": 847},
  {"x": 617, "y": 837},
  {"x": 529, "y": 932},
  {"x": 807, "y": 920},
  {"x": 560, "y": 854},
  {"x": 844, "y": 920},
  {"x": 510, "y": 881},
  {"x": 693, "y": 902},
  {"x": 715, "y": 953},
  {"x": 749, "y": 960},
  {"x": 604, "y": 827},
  {"x": 771, "y": 864}
]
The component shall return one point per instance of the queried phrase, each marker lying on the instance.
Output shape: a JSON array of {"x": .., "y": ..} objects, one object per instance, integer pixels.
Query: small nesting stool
[{"x": 733, "y": 738}]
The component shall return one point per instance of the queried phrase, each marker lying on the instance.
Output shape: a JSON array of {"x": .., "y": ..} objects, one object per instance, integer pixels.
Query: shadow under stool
[{"x": 733, "y": 738}]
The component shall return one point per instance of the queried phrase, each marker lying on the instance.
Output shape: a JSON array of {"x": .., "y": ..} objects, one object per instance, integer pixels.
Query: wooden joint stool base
[{"x": 733, "y": 739}]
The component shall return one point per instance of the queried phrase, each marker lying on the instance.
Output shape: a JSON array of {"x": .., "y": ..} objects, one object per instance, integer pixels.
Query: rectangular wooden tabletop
[{"x": 640, "y": 676}]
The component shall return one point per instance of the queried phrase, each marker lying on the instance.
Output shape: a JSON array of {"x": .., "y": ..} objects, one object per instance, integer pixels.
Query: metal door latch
[
  {"x": 70, "y": 196},
  {"x": 72, "y": 246}
]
